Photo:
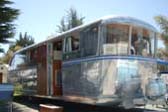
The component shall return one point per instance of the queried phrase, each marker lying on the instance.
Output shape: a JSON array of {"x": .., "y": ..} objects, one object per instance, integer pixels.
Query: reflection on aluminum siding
[
  {"x": 71, "y": 79},
  {"x": 29, "y": 80},
  {"x": 108, "y": 77},
  {"x": 147, "y": 70},
  {"x": 123, "y": 78},
  {"x": 91, "y": 78},
  {"x": 26, "y": 77},
  {"x": 117, "y": 72},
  {"x": 82, "y": 79}
]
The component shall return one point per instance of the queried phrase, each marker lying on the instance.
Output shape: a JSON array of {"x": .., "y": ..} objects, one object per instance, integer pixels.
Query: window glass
[
  {"x": 142, "y": 42},
  {"x": 117, "y": 39},
  {"x": 68, "y": 46},
  {"x": 71, "y": 44},
  {"x": 75, "y": 43},
  {"x": 18, "y": 61},
  {"x": 89, "y": 41},
  {"x": 162, "y": 68},
  {"x": 58, "y": 46},
  {"x": 152, "y": 38},
  {"x": 161, "y": 48}
]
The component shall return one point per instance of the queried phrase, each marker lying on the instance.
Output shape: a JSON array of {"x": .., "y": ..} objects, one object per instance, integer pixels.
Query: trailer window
[
  {"x": 18, "y": 61},
  {"x": 162, "y": 68},
  {"x": 117, "y": 39},
  {"x": 142, "y": 42},
  {"x": 161, "y": 48},
  {"x": 89, "y": 41},
  {"x": 71, "y": 46}
]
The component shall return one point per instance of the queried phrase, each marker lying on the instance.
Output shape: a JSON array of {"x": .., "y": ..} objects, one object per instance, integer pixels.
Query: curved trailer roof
[{"x": 103, "y": 20}]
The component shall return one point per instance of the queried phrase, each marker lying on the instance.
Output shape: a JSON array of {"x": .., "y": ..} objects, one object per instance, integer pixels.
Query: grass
[{"x": 18, "y": 89}]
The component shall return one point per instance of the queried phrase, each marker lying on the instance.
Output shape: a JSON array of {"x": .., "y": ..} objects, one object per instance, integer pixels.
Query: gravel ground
[
  {"x": 31, "y": 107},
  {"x": 27, "y": 107},
  {"x": 17, "y": 107}
]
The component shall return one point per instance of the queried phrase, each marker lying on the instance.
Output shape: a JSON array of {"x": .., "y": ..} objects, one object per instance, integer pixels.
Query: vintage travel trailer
[{"x": 110, "y": 61}]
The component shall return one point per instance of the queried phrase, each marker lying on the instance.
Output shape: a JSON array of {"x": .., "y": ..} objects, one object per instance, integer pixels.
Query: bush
[{"x": 18, "y": 89}]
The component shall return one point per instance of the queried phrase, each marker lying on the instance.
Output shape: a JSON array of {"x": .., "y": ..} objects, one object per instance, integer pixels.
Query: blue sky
[{"x": 40, "y": 17}]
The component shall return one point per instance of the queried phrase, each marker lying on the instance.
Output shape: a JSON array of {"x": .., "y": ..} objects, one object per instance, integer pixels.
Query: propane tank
[{"x": 155, "y": 88}]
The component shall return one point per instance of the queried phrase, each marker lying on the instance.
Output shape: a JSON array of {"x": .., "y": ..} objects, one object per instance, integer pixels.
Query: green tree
[
  {"x": 71, "y": 20},
  {"x": 7, "y": 16},
  {"x": 24, "y": 40},
  {"x": 162, "y": 21},
  {"x": 8, "y": 55}
]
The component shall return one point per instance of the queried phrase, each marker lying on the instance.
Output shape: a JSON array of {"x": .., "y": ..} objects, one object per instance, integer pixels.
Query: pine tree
[
  {"x": 25, "y": 40},
  {"x": 7, "y": 16},
  {"x": 162, "y": 21},
  {"x": 71, "y": 20}
]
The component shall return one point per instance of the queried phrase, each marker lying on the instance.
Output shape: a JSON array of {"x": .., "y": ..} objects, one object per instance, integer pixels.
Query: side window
[
  {"x": 162, "y": 68},
  {"x": 18, "y": 61},
  {"x": 117, "y": 39},
  {"x": 71, "y": 47},
  {"x": 142, "y": 42},
  {"x": 71, "y": 44},
  {"x": 89, "y": 41},
  {"x": 161, "y": 48}
]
